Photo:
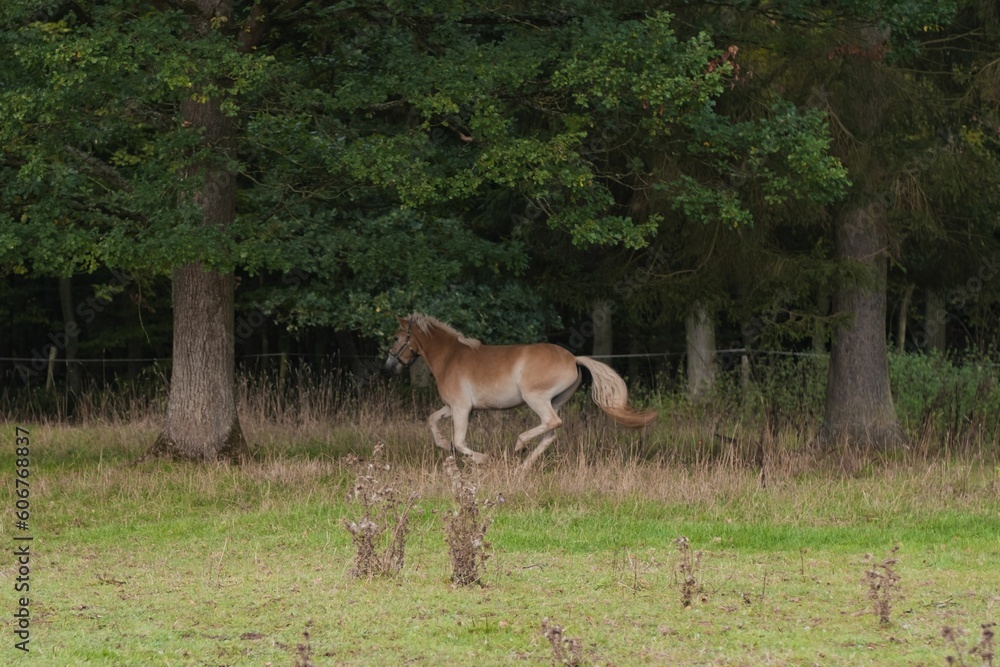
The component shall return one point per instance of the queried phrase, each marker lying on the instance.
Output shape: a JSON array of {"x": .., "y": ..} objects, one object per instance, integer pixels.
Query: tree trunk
[
  {"x": 819, "y": 337},
  {"x": 859, "y": 405},
  {"x": 50, "y": 375},
  {"x": 935, "y": 318},
  {"x": 903, "y": 318},
  {"x": 700, "y": 330},
  {"x": 72, "y": 336},
  {"x": 201, "y": 422},
  {"x": 603, "y": 330}
]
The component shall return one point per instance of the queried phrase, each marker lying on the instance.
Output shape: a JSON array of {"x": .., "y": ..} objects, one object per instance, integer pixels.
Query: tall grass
[
  {"x": 707, "y": 455},
  {"x": 760, "y": 430}
]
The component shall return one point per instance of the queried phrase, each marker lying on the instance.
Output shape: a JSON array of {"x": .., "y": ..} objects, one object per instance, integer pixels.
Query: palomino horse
[{"x": 471, "y": 375}]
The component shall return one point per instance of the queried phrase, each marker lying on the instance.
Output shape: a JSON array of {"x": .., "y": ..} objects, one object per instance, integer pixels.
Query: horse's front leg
[
  {"x": 433, "y": 420},
  {"x": 460, "y": 422}
]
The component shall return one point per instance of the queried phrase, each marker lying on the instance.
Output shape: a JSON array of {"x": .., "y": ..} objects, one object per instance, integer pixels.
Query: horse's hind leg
[
  {"x": 547, "y": 438},
  {"x": 550, "y": 422},
  {"x": 563, "y": 396},
  {"x": 460, "y": 422},
  {"x": 433, "y": 420},
  {"x": 540, "y": 449}
]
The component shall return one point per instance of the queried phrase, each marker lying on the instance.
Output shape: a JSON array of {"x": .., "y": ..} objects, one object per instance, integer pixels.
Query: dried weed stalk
[
  {"x": 303, "y": 653},
  {"x": 566, "y": 651},
  {"x": 464, "y": 530},
  {"x": 629, "y": 570},
  {"x": 883, "y": 586},
  {"x": 379, "y": 536},
  {"x": 688, "y": 565},
  {"x": 984, "y": 649}
]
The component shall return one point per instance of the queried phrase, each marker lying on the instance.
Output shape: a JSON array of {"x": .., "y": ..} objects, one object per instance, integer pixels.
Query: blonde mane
[{"x": 425, "y": 323}]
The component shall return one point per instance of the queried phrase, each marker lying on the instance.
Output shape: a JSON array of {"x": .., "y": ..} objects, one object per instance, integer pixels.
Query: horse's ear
[{"x": 402, "y": 321}]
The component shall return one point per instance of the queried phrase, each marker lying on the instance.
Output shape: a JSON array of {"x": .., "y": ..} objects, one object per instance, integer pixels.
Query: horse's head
[{"x": 402, "y": 354}]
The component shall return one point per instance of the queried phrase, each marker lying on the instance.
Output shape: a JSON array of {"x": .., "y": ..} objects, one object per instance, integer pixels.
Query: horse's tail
[{"x": 611, "y": 394}]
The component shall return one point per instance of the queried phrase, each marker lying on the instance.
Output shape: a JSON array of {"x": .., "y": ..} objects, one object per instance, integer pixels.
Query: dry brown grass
[
  {"x": 693, "y": 456},
  {"x": 590, "y": 459}
]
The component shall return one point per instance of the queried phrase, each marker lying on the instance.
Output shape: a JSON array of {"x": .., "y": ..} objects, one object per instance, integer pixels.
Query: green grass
[{"x": 168, "y": 564}]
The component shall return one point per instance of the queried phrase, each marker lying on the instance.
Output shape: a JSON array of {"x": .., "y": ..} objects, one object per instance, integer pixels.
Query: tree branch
[{"x": 100, "y": 167}]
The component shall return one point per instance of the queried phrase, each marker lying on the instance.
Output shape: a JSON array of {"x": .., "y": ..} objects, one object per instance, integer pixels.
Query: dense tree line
[{"x": 214, "y": 179}]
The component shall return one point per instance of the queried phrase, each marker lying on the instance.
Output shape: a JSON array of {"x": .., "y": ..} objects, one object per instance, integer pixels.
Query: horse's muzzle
[{"x": 392, "y": 366}]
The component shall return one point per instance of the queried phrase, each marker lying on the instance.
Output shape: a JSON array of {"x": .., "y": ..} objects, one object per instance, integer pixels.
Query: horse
[{"x": 471, "y": 375}]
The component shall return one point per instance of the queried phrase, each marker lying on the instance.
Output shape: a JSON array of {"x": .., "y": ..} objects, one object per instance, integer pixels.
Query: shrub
[
  {"x": 379, "y": 536},
  {"x": 566, "y": 651},
  {"x": 883, "y": 586},
  {"x": 933, "y": 394},
  {"x": 687, "y": 566},
  {"x": 464, "y": 530}
]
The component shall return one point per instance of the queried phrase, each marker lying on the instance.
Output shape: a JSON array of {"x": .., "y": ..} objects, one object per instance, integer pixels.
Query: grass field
[{"x": 169, "y": 564}]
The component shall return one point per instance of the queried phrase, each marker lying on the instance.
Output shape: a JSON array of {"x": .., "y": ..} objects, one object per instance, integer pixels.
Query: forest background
[
  {"x": 785, "y": 191},
  {"x": 778, "y": 219}
]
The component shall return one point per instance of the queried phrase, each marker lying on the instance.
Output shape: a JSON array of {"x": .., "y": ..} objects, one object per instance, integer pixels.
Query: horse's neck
[{"x": 438, "y": 347}]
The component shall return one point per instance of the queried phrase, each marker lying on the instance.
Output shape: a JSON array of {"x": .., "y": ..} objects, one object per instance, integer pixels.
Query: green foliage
[
  {"x": 784, "y": 389},
  {"x": 360, "y": 275},
  {"x": 477, "y": 104},
  {"x": 619, "y": 65},
  {"x": 933, "y": 393},
  {"x": 370, "y": 139},
  {"x": 342, "y": 118},
  {"x": 95, "y": 153}
]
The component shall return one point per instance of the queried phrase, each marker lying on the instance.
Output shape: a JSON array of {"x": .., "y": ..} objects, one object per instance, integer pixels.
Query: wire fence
[{"x": 652, "y": 368}]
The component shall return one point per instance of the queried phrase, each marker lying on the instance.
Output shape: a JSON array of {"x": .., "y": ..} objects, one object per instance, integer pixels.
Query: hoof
[{"x": 479, "y": 459}]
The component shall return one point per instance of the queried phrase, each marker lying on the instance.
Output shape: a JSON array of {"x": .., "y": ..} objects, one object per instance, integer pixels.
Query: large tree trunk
[
  {"x": 700, "y": 330},
  {"x": 859, "y": 405},
  {"x": 201, "y": 422}
]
